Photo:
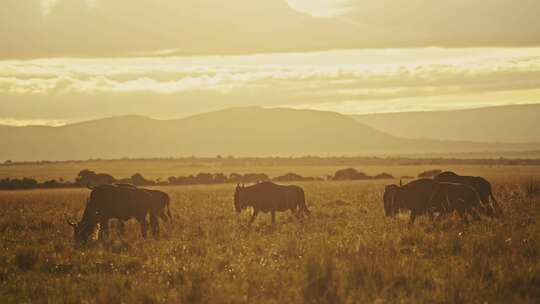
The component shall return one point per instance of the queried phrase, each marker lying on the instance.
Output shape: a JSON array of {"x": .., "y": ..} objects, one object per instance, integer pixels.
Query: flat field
[{"x": 347, "y": 251}]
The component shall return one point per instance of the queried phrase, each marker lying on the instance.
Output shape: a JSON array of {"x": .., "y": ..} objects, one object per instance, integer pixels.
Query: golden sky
[{"x": 63, "y": 61}]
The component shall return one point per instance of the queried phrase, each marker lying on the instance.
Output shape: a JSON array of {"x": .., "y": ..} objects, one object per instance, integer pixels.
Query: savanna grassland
[{"x": 347, "y": 251}]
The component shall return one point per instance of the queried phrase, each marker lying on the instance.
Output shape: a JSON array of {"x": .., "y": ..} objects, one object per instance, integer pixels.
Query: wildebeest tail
[
  {"x": 169, "y": 210},
  {"x": 496, "y": 206},
  {"x": 303, "y": 203}
]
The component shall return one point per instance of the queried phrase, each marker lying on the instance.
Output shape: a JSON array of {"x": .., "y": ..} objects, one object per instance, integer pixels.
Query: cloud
[
  {"x": 321, "y": 8},
  {"x": 17, "y": 122},
  {"x": 510, "y": 70},
  {"x": 348, "y": 81},
  {"x": 104, "y": 28}
]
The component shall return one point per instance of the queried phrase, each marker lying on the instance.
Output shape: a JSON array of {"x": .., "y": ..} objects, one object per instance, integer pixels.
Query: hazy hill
[
  {"x": 237, "y": 131},
  {"x": 519, "y": 123}
]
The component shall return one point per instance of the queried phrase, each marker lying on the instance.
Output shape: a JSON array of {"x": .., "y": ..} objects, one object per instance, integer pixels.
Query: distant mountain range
[
  {"x": 247, "y": 131},
  {"x": 510, "y": 124}
]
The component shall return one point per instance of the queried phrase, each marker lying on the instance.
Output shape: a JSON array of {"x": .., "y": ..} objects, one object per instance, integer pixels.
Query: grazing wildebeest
[
  {"x": 160, "y": 198},
  {"x": 122, "y": 203},
  {"x": 480, "y": 184},
  {"x": 415, "y": 196},
  {"x": 458, "y": 197},
  {"x": 427, "y": 196},
  {"x": 269, "y": 197},
  {"x": 388, "y": 196}
]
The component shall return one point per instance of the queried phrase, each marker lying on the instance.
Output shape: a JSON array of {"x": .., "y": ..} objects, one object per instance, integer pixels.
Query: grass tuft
[
  {"x": 531, "y": 187},
  {"x": 26, "y": 260}
]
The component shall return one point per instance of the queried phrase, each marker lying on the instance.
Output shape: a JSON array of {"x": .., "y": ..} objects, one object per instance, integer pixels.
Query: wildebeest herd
[{"x": 445, "y": 193}]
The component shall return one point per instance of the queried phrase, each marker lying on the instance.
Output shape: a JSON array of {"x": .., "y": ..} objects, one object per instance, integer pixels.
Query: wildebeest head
[
  {"x": 84, "y": 229},
  {"x": 81, "y": 231},
  {"x": 390, "y": 201},
  {"x": 239, "y": 203}
]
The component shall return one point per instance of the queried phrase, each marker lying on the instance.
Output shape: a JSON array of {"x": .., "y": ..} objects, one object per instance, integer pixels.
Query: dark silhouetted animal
[
  {"x": 458, "y": 197},
  {"x": 123, "y": 203},
  {"x": 159, "y": 198},
  {"x": 427, "y": 196},
  {"x": 162, "y": 202},
  {"x": 388, "y": 196},
  {"x": 270, "y": 197},
  {"x": 480, "y": 184},
  {"x": 415, "y": 196}
]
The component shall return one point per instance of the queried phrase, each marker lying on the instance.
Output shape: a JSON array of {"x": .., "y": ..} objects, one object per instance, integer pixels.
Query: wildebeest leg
[
  {"x": 496, "y": 206},
  {"x": 144, "y": 225},
  {"x": 273, "y": 217},
  {"x": 413, "y": 217},
  {"x": 474, "y": 213},
  {"x": 122, "y": 227},
  {"x": 103, "y": 229},
  {"x": 463, "y": 215},
  {"x": 155, "y": 225},
  {"x": 431, "y": 213},
  {"x": 253, "y": 216},
  {"x": 298, "y": 213}
]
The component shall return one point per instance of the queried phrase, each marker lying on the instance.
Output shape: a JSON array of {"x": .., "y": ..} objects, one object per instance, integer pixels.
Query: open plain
[{"x": 347, "y": 251}]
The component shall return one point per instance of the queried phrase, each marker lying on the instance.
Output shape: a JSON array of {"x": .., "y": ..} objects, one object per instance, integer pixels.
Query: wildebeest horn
[
  {"x": 400, "y": 182},
  {"x": 68, "y": 221}
]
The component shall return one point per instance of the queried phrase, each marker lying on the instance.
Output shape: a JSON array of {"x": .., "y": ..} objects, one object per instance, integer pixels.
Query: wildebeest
[
  {"x": 388, "y": 196},
  {"x": 122, "y": 203},
  {"x": 427, "y": 196},
  {"x": 415, "y": 196},
  {"x": 480, "y": 184},
  {"x": 160, "y": 198},
  {"x": 458, "y": 197},
  {"x": 270, "y": 197}
]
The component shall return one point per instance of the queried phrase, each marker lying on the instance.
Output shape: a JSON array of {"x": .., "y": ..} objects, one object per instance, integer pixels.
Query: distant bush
[
  {"x": 248, "y": 178},
  {"x": 138, "y": 180},
  {"x": 349, "y": 174},
  {"x": 293, "y": 177},
  {"x": 13, "y": 184},
  {"x": 429, "y": 173},
  {"x": 383, "y": 176},
  {"x": 90, "y": 178},
  {"x": 288, "y": 177},
  {"x": 52, "y": 184},
  {"x": 217, "y": 178}
]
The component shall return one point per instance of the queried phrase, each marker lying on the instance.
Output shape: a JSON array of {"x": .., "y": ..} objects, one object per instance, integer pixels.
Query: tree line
[{"x": 88, "y": 178}]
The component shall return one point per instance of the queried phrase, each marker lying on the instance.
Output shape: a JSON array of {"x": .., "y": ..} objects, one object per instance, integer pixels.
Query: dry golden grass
[{"x": 346, "y": 252}]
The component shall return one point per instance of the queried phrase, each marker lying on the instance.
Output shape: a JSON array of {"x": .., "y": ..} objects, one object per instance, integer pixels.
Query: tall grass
[{"x": 531, "y": 187}]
